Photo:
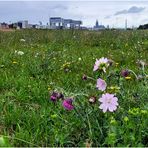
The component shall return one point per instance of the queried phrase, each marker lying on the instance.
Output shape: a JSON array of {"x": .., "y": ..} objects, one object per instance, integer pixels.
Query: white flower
[
  {"x": 79, "y": 59},
  {"x": 22, "y": 40},
  {"x": 102, "y": 64},
  {"x": 36, "y": 55},
  {"x": 20, "y": 52}
]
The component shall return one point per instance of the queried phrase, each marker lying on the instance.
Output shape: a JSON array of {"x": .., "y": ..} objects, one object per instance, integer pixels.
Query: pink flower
[
  {"x": 101, "y": 64},
  {"x": 101, "y": 84},
  {"x": 67, "y": 104},
  {"x": 109, "y": 102}
]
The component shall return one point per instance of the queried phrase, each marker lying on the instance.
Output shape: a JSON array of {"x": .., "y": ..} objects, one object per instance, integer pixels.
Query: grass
[{"x": 57, "y": 60}]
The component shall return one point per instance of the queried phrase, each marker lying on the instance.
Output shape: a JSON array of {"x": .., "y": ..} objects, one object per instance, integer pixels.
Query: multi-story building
[
  {"x": 60, "y": 23},
  {"x": 22, "y": 24}
]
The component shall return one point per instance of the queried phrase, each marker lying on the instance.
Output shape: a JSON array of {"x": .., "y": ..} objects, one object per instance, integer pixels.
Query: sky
[{"x": 107, "y": 12}]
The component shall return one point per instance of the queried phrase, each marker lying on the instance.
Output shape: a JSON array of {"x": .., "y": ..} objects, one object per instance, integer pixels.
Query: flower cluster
[
  {"x": 55, "y": 96},
  {"x": 67, "y": 103},
  {"x": 108, "y": 101},
  {"x": 19, "y": 52}
]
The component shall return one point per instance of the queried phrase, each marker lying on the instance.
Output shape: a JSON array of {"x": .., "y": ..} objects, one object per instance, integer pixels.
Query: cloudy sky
[{"x": 113, "y": 13}]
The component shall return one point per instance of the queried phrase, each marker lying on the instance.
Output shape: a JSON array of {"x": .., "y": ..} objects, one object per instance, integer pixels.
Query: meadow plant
[
  {"x": 67, "y": 104},
  {"x": 109, "y": 102},
  {"x": 101, "y": 84},
  {"x": 62, "y": 92},
  {"x": 101, "y": 64}
]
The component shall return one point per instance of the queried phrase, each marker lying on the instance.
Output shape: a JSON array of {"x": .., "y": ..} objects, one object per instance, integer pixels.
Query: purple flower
[
  {"x": 84, "y": 77},
  {"x": 110, "y": 62},
  {"x": 67, "y": 104},
  {"x": 101, "y": 84},
  {"x": 60, "y": 96},
  {"x": 109, "y": 102},
  {"x": 55, "y": 96},
  {"x": 124, "y": 73}
]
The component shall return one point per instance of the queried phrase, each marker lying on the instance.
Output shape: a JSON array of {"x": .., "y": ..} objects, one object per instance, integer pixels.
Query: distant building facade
[
  {"x": 22, "y": 24},
  {"x": 60, "y": 23},
  {"x": 98, "y": 27},
  {"x": 4, "y": 25}
]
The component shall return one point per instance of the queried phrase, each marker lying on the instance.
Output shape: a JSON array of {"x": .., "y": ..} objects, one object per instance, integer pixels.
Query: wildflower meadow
[{"x": 74, "y": 88}]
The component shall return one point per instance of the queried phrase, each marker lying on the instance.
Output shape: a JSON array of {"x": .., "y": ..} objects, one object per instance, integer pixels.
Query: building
[
  {"x": 4, "y": 25},
  {"x": 60, "y": 23},
  {"x": 22, "y": 24},
  {"x": 56, "y": 22},
  {"x": 98, "y": 27}
]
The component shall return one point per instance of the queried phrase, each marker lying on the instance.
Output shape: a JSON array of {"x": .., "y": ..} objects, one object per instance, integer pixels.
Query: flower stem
[
  {"x": 134, "y": 74},
  {"x": 91, "y": 78}
]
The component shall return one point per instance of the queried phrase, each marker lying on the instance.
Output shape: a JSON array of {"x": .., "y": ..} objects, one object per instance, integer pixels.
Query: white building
[
  {"x": 60, "y": 23},
  {"x": 22, "y": 24}
]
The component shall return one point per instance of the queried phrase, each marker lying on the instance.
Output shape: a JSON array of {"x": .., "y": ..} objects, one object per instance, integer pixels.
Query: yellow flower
[
  {"x": 114, "y": 89},
  {"x": 128, "y": 78},
  {"x": 117, "y": 64},
  {"x": 66, "y": 65},
  {"x": 14, "y": 62},
  {"x": 49, "y": 88}
]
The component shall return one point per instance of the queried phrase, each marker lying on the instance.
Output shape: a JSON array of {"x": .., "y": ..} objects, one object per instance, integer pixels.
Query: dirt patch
[{"x": 7, "y": 30}]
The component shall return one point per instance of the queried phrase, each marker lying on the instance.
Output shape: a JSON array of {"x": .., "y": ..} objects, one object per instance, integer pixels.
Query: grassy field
[{"x": 57, "y": 61}]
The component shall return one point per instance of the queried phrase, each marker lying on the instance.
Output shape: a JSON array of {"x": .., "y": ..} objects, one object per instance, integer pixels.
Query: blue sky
[{"x": 109, "y": 12}]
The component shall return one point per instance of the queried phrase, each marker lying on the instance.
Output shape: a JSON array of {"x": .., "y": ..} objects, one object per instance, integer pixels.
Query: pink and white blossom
[
  {"x": 101, "y": 64},
  {"x": 101, "y": 84},
  {"x": 108, "y": 102}
]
